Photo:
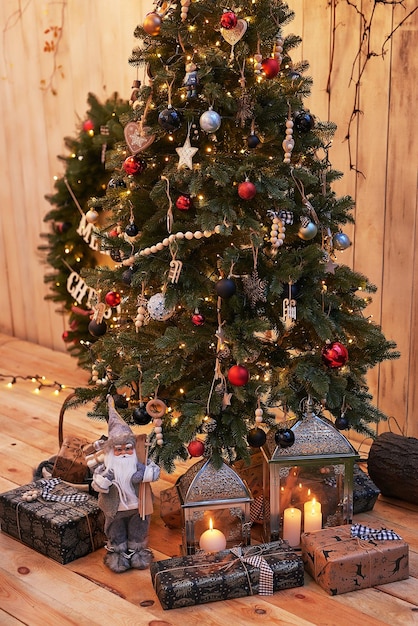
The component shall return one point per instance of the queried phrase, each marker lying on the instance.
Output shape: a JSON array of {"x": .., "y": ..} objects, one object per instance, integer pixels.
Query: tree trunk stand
[{"x": 393, "y": 466}]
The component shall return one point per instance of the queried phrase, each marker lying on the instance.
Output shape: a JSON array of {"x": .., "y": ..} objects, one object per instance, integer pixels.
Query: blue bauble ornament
[
  {"x": 169, "y": 119},
  {"x": 225, "y": 288},
  {"x": 341, "y": 241}
]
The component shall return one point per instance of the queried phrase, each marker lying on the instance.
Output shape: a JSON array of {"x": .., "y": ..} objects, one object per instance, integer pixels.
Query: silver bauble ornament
[
  {"x": 341, "y": 241},
  {"x": 308, "y": 231},
  {"x": 157, "y": 308},
  {"x": 210, "y": 121}
]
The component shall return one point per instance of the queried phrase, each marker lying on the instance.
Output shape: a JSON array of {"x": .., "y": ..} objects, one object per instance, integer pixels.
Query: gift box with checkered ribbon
[
  {"x": 53, "y": 518},
  {"x": 205, "y": 577},
  {"x": 348, "y": 558}
]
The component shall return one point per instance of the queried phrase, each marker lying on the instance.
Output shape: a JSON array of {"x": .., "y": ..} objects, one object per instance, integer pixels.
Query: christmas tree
[
  {"x": 71, "y": 244},
  {"x": 234, "y": 310}
]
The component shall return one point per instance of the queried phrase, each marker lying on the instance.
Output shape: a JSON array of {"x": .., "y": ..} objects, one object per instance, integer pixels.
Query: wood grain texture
[
  {"x": 43, "y": 99},
  {"x": 37, "y": 591}
]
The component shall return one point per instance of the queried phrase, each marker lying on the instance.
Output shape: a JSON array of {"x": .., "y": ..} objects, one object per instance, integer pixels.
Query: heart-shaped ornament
[
  {"x": 233, "y": 35},
  {"x": 137, "y": 139}
]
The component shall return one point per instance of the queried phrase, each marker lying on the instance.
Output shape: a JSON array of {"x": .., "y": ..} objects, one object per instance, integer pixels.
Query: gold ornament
[{"x": 152, "y": 24}]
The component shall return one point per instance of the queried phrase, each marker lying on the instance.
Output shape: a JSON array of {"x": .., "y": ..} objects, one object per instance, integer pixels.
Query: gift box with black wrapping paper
[
  {"x": 53, "y": 518},
  {"x": 205, "y": 577}
]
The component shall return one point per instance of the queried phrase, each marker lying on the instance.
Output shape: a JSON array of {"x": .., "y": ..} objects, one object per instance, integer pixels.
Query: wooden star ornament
[{"x": 186, "y": 154}]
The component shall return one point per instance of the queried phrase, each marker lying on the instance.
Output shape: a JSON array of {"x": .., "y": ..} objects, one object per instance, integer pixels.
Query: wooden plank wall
[{"x": 342, "y": 41}]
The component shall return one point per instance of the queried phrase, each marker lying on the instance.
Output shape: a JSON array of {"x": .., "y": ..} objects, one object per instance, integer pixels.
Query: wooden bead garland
[
  {"x": 258, "y": 415},
  {"x": 288, "y": 143},
  {"x": 30, "y": 496},
  {"x": 184, "y": 9},
  {"x": 278, "y": 49},
  {"x": 198, "y": 234},
  {"x": 277, "y": 233},
  {"x": 157, "y": 409}
]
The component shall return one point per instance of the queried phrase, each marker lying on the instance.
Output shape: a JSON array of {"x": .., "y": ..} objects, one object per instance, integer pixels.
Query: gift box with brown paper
[
  {"x": 54, "y": 519},
  {"x": 340, "y": 562},
  {"x": 205, "y": 577}
]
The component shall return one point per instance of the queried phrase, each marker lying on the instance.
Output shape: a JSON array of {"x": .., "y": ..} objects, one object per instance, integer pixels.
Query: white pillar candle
[
  {"x": 312, "y": 516},
  {"x": 292, "y": 520},
  {"x": 212, "y": 540}
]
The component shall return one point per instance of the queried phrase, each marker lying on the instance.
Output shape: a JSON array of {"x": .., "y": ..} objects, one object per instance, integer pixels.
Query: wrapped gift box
[
  {"x": 203, "y": 577},
  {"x": 63, "y": 531},
  {"x": 365, "y": 492},
  {"x": 340, "y": 563}
]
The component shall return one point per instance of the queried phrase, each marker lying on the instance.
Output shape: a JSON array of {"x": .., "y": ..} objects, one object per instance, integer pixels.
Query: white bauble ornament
[
  {"x": 210, "y": 121},
  {"x": 157, "y": 308}
]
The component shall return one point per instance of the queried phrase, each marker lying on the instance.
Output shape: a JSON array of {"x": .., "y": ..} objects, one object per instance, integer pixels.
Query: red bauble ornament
[
  {"x": 334, "y": 354},
  {"x": 229, "y": 20},
  {"x": 238, "y": 375},
  {"x": 198, "y": 319},
  {"x": 196, "y": 448},
  {"x": 183, "y": 203},
  {"x": 112, "y": 298},
  {"x": 270, "y": 67},
  {"x": 134, "y": 165},
  {"x": 247, "y": 190},
  {"x": 66, "y": 336},
  {"x": 88, "y": 125}
]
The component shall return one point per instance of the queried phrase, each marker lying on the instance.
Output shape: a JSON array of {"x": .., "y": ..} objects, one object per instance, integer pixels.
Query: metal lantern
[
  {"x": 216, "y": 498},
  {"x": 311, "y": 480}
]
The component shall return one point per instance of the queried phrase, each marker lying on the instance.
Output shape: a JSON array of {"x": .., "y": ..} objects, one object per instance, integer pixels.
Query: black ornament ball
[
  {"x": 252, "y": 141},
  {"x": 304, "y": 122},
  {"x": 225, "y": 288},
  {"x": 132, "y": 230},
  {"x": 120, "y": 401},
  {"x": 116, "y": 256},
  {"x": 256, "y": 437},
  {"x": 341, "y": 422},
  {"x": 140, "y": 415},
  {"x": 97, "y": 329},
  {"x": 284, "y": 437},
  {"x": 169, "y": 119},
  {"x": 127, "y": 276}
]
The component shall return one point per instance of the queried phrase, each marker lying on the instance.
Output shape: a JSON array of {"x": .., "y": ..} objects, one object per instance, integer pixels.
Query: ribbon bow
[
  {"x": 366, "y": 533},
  {"x": 48, "y": 485},
  {"x": 266, "y": 573}
]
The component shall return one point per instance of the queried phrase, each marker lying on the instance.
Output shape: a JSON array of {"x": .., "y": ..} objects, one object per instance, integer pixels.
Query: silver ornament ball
[
  {"x": 210, "y": 121},
  {"x": 308, "y": 232}
]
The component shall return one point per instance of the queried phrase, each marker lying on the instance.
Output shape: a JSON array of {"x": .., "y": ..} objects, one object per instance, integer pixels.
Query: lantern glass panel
[
  {"x": 318, "y": 466},
  {"x": 220, "y": 495}
]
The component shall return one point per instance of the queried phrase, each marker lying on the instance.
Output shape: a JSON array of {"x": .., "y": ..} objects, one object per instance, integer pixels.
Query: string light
[{"x": 40, "y": 381}]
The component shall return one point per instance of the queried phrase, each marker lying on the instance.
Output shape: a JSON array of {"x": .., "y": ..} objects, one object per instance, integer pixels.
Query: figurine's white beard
[{"x": 124, "y": 467}]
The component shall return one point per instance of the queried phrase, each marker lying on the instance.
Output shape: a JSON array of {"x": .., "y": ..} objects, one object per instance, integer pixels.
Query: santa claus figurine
[{"x": 125, "y": 497}]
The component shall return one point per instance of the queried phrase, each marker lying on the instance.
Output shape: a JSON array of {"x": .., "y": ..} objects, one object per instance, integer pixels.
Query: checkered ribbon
[
  {"x": 265, "y": 587},
  {"x": 286, "y": 216},
  {"x": 48, "y": 485},
  {"x": 104, "y": 130},
  {"x": 366, "y": 533}
]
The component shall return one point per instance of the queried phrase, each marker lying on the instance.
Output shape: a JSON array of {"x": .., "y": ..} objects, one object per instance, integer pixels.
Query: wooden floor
[{"x": 36, "y": 590}]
